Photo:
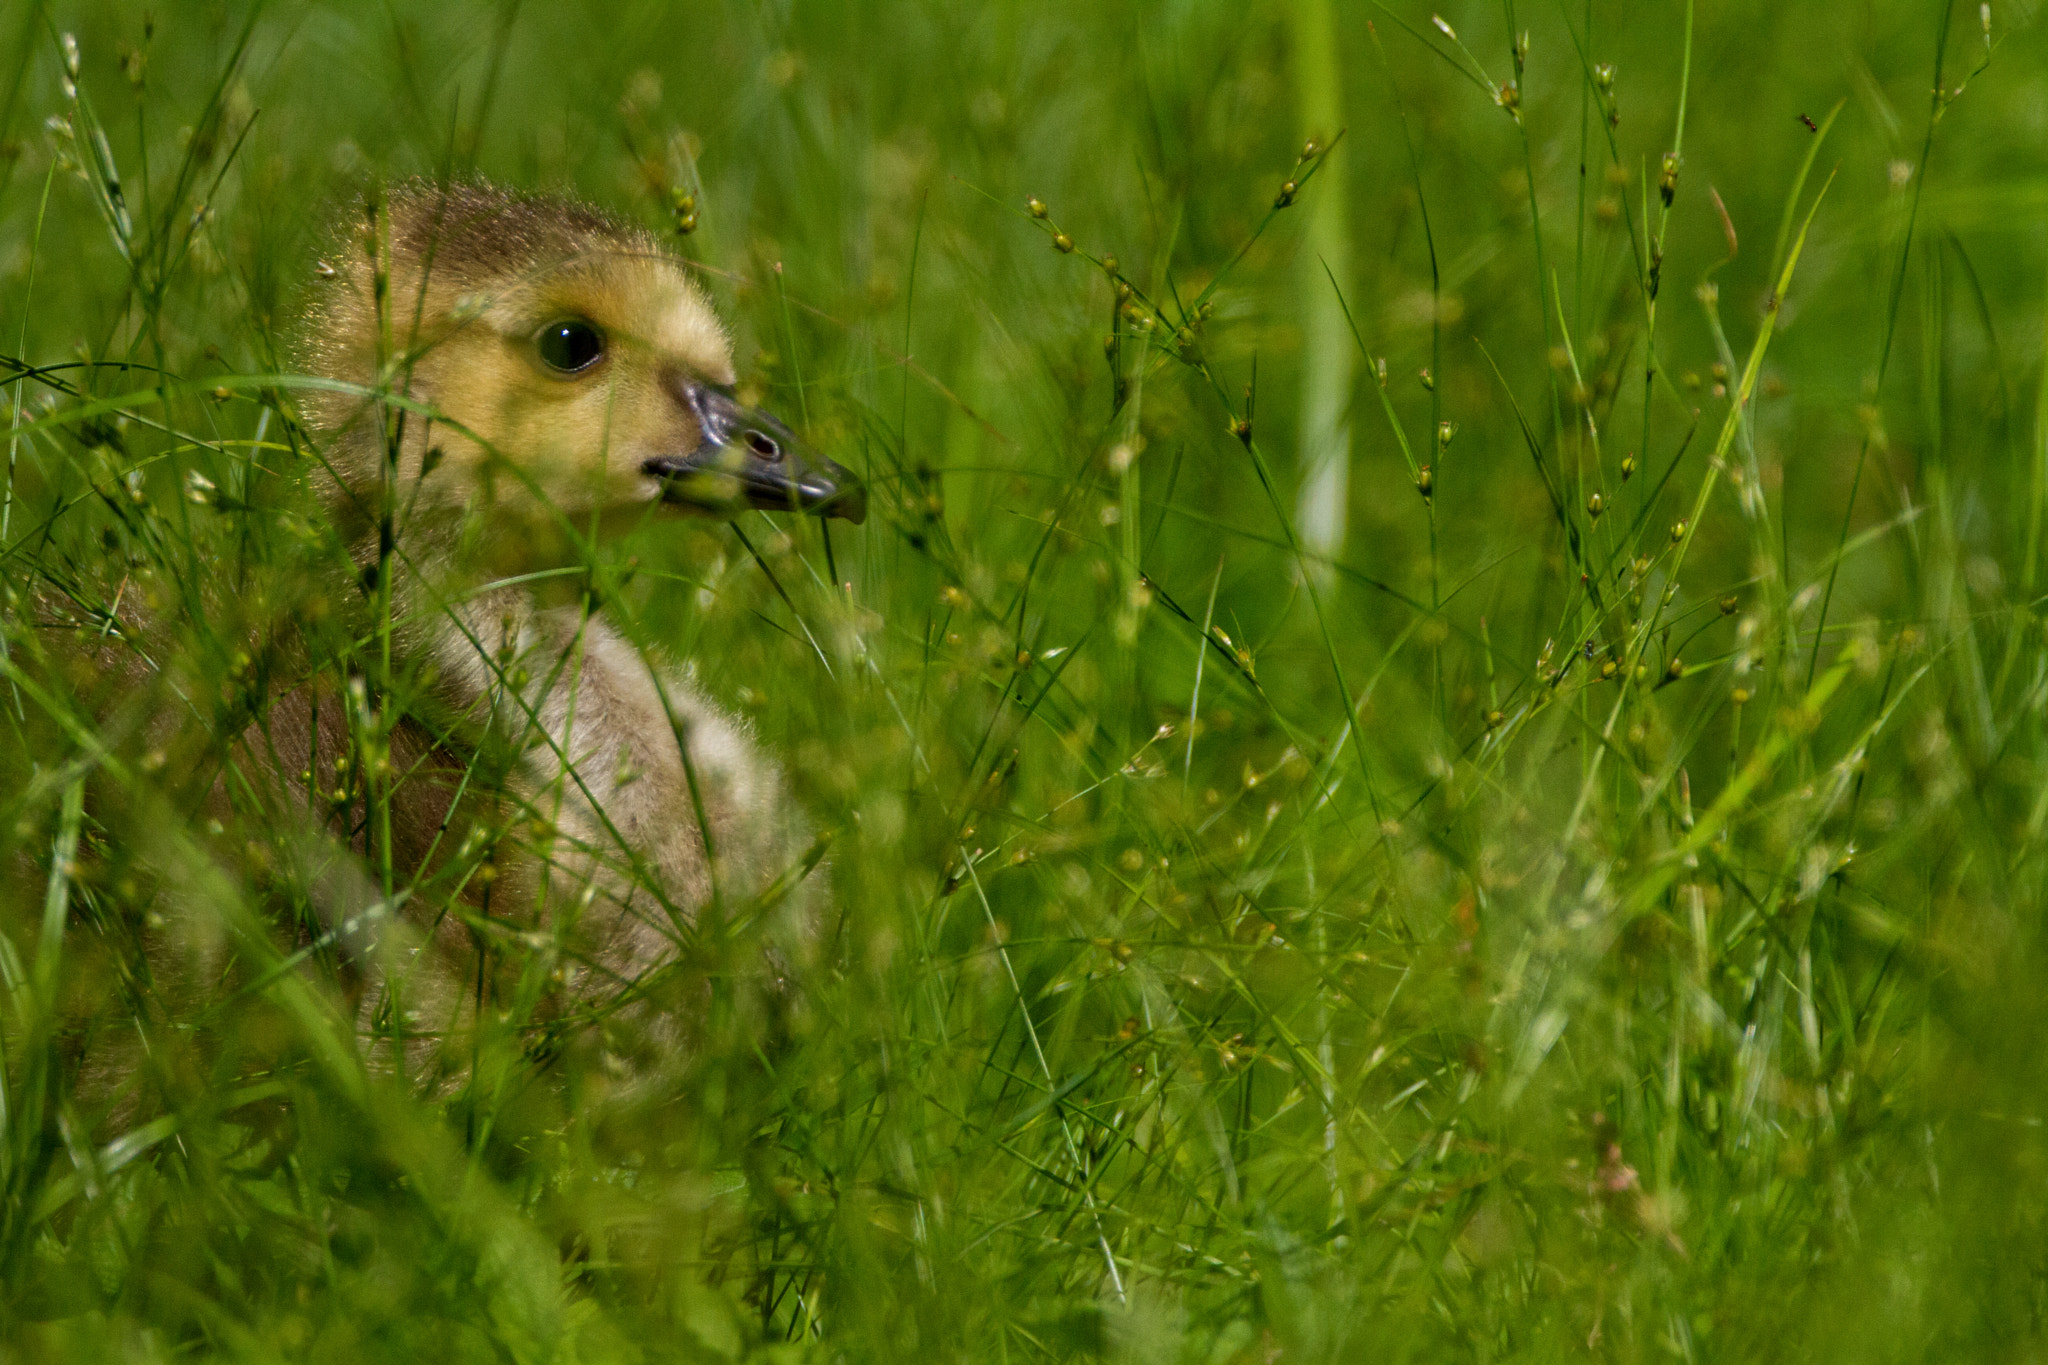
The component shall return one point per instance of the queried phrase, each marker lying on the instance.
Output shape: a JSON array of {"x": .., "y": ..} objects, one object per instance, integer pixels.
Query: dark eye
[{"x": 570, "y": 346}]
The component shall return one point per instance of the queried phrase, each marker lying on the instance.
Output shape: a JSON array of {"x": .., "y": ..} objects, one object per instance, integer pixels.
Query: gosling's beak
[{"x": 745, "y": 458}]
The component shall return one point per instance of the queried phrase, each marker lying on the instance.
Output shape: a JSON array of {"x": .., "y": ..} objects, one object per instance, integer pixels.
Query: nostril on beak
[{"x": 762, "y": 444}]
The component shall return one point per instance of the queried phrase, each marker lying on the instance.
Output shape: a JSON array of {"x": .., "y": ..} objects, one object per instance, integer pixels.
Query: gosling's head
[{"x": 573, "y": 365}]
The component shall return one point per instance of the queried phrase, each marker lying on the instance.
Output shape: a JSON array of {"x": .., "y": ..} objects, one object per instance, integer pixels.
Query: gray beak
[{"x": 748, "y": 459}]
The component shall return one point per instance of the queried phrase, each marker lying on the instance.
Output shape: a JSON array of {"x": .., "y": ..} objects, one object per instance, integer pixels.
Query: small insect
[
  {"x": 1589, "y": 651},
  {"x": 1811, "y": 126}
]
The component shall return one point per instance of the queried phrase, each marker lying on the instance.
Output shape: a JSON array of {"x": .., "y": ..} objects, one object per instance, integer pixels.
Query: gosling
[{"x": 545, "y": 369}]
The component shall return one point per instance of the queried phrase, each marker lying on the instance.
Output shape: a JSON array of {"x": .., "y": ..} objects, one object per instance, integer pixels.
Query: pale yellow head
[{"x": 556, "y": 363}]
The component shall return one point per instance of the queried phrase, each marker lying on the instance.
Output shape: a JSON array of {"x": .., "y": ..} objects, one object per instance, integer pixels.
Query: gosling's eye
[{"x": 570, "y": 345}]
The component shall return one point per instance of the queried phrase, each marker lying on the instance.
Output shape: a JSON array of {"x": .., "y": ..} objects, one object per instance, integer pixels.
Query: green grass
[{"x": 1502, "y": 931}]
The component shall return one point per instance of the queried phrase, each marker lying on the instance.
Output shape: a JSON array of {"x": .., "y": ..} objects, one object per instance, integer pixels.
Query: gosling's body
[{"x": 559, "y": 371}]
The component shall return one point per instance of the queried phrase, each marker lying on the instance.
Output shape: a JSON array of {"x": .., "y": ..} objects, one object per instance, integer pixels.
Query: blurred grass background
[{"x": 1277, "y": 915}]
